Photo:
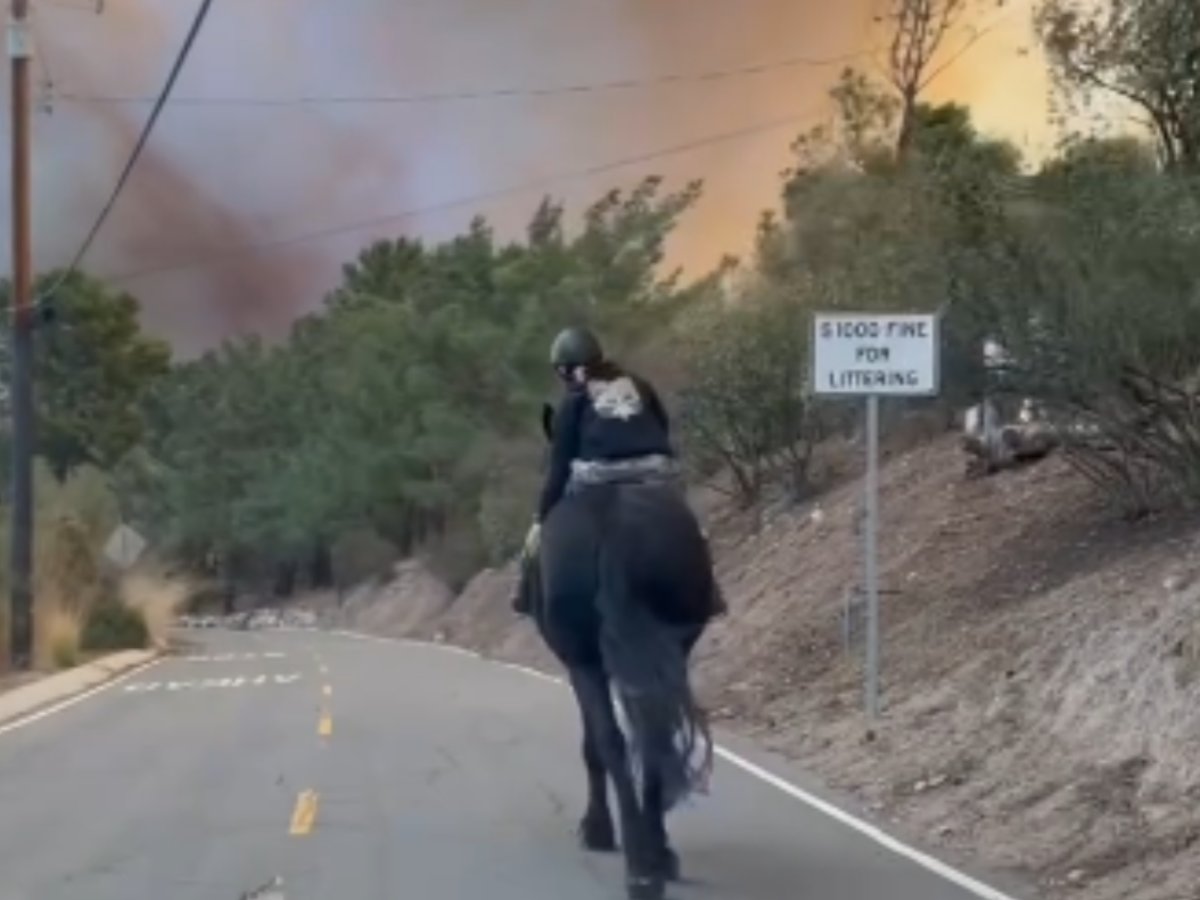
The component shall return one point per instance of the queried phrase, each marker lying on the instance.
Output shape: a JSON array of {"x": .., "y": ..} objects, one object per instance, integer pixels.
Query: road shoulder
[{"x": 36, "y": 696}]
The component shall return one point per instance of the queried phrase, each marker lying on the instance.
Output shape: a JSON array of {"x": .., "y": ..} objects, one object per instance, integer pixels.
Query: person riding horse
[
  {"x": 610, "y": 426},
  {"x": 621, "y": 587}
]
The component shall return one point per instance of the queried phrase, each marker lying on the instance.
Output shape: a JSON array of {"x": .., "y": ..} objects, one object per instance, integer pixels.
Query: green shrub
[{"x": 113, "y": 626}]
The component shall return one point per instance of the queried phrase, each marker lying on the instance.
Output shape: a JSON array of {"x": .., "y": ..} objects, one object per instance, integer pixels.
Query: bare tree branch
[
  {"x": 919, "y": 28},
  {"x": 1146, "y": 52}
]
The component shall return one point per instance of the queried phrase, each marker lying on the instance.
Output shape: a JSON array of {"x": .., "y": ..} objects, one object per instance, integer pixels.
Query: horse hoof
[
  {"x": 668, "y": 865},
  {"x": 598, "y": 835},
  {"x": 644, "y": 887}
]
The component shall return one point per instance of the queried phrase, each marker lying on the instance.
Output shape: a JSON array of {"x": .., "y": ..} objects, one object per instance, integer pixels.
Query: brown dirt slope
[{"x": 1040, "y": 665}]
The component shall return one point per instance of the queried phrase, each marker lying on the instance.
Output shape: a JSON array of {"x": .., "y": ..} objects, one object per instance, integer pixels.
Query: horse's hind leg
[
  {"x": 642, "y": 876},
  {"x": 656, "y": 828},
  {"x": 653, "y": 802},
  {"x": 654, "y": 812},
  {"x": 596, "y": 828}
]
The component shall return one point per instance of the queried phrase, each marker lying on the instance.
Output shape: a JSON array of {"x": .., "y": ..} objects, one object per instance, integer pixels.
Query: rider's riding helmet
[{"x": 575, "y": 347}]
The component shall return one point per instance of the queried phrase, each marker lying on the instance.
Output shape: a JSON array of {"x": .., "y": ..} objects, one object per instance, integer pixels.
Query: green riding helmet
[{"x": 575, "y": 347}]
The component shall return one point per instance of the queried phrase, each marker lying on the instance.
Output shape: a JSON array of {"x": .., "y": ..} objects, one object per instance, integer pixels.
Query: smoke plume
[{"x": 220, "y": 177}]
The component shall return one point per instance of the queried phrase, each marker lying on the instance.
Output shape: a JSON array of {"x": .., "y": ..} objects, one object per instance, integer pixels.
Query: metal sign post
[
  {"x": 870, "y": 554},
  {"x": 874, "y": 356}
]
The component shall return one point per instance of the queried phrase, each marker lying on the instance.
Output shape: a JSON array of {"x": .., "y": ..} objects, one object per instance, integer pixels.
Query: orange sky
[{"x": 225, "y": 176}]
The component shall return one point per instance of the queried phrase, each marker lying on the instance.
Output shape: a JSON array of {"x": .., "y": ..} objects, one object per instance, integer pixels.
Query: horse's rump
[
  {"x": 665, "y": 561},
  {"x": 666, "y": 558},
  {"x": 629, "y": 584}
]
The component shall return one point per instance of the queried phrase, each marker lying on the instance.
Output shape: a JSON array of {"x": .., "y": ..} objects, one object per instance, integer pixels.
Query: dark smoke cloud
[{"x": 223, "y": 177}]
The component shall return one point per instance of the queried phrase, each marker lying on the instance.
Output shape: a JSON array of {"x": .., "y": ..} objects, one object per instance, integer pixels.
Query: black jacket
[{"x": 604, "y": 420}]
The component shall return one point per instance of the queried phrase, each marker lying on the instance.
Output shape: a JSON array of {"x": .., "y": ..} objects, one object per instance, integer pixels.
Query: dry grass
[
  {"x": 73, "y": 519},
  {"x": 56, "y": 633},
  {"x": 1142, "y": 665},
  {"x": 158, "y": 596},
  {"x": 67, "y": 581}
]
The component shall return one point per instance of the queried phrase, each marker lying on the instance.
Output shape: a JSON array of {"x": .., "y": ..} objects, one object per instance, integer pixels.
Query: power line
[
  {"x": 159, "y": 104},
  {"x": 510, "y": 93},
  {"x": 975, "y": 36},
  {"x": 498, "y": 193}
]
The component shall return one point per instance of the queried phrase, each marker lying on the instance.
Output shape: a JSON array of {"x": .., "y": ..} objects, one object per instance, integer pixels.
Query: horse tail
[{"x": 647, "y": 661}]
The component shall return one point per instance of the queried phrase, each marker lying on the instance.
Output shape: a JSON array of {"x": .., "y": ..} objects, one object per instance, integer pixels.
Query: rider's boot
[{"x": 522, "y": 602}]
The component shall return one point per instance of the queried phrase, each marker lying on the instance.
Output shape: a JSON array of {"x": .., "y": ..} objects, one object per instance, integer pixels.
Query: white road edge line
[
  {"x": 409, "y": 642},
  {"x": 58, "y": 707},
  {"x": 866, "y": 829},
  {"x": 534, "y": 673}
]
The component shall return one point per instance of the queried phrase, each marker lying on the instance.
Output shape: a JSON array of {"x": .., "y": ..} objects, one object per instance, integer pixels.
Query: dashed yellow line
[
  {"x": 304, "y": 816},
  {"x": 325, "y": 725}
]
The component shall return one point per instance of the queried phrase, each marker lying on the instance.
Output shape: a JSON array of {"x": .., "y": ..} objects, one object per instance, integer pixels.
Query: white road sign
[
  {"x": 857, "y": 355},
  {"x": 873, "y": 356},
  {"x": 124, "y": 546}
]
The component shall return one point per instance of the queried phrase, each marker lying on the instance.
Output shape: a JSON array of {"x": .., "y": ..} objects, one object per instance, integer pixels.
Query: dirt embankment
[{"x": 1041, "y": 662}]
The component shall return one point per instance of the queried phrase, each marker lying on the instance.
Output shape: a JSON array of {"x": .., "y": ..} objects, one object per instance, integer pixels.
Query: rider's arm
[{"x": 564, "y": 449}]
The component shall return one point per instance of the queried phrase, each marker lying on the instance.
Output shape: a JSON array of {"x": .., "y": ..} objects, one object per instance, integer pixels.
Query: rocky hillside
[{"x": 1040, "y": 661}]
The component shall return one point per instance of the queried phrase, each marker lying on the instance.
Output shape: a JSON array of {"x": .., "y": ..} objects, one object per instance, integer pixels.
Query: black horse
[{"x": 622, "y": 590}]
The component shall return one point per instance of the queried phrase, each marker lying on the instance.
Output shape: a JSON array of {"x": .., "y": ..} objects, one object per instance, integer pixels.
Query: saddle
[{"x": 529, "y": 588}]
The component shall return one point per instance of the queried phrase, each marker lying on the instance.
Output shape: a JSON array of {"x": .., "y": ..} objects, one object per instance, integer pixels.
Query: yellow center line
[
  {"x": 325, "y": 725},
  {"x": 304, "y": 816}
]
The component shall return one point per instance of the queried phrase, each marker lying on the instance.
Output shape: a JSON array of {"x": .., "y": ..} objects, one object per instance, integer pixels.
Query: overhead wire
[
  {"x": 620, "y": 84},
  {"x": 468, "y": 200},
  {"x": 123, "y": 179}
]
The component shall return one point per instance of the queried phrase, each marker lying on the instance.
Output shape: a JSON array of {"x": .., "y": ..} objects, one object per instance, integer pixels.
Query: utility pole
[{"x": 20, "y": 49}]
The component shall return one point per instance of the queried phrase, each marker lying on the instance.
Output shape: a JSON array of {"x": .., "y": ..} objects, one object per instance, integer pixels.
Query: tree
[
  {"x": 944, "y": 137},
  {"x": 861, "y": 137},
  {"x": 1090, "y": 159},
  {"x": 92, "y": 366},
  {"x": 747, "y": 408},
  {"x": 919, "y": 29},
  {"x": 390, "y": 411},
  {"x": 1146, "y": 52},
  {"x": 863, "y": 230},
  {"x": 1104, "y": 327}
]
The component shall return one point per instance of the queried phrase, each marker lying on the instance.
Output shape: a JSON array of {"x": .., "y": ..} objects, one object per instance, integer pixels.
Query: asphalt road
[{"x": 363, "y": 770}]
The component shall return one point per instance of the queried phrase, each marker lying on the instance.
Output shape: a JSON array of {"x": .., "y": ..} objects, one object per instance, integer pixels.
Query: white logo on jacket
[{"x": 616, "y": 399}]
